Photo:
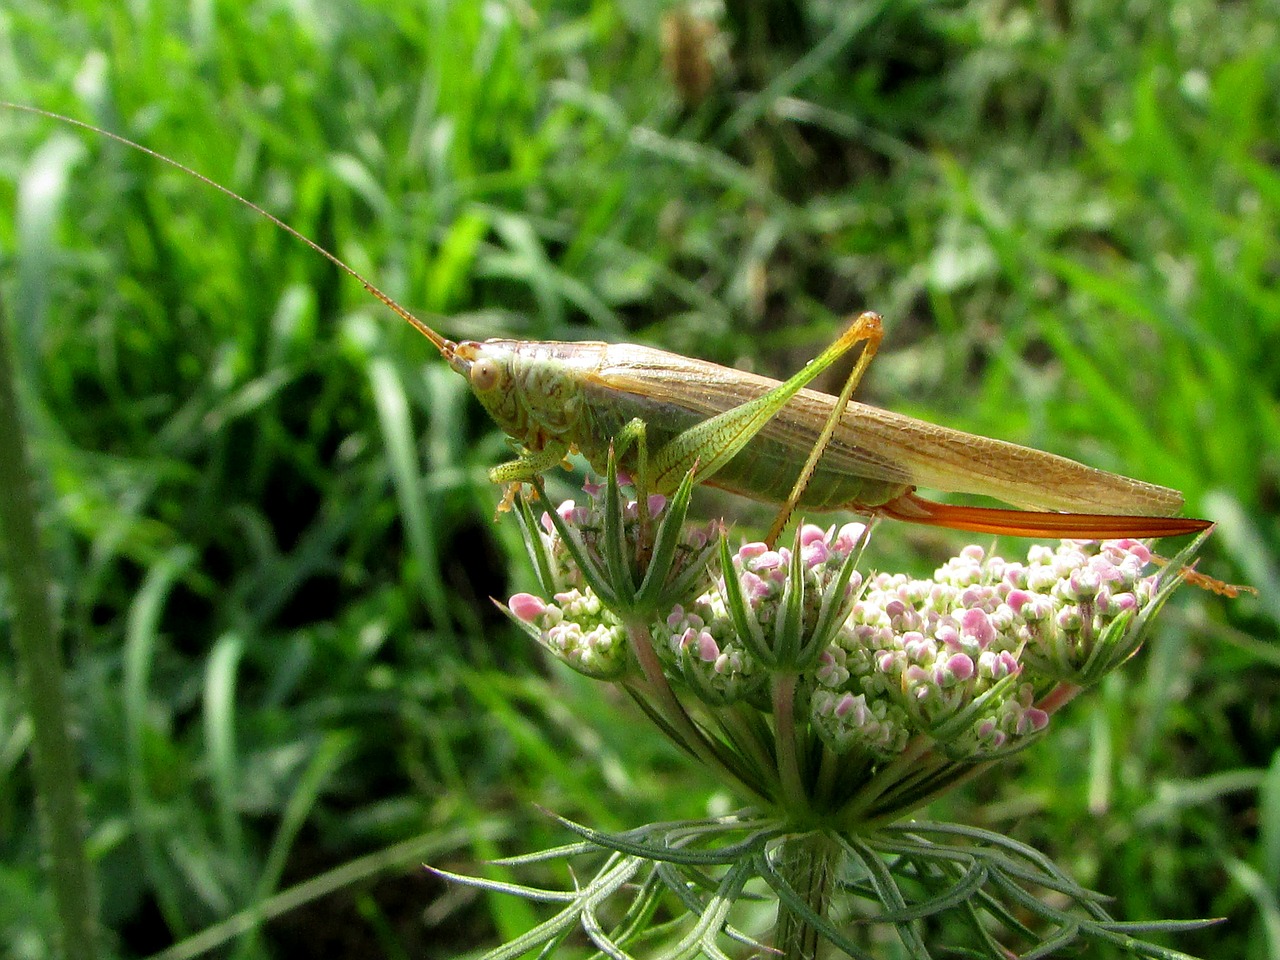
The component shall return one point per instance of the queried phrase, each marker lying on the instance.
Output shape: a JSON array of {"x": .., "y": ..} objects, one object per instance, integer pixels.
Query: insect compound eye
[{"x": 485, "y": 373}]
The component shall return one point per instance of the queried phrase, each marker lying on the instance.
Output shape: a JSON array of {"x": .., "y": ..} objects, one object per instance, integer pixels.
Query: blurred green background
[{"x": 265, "y": 499}]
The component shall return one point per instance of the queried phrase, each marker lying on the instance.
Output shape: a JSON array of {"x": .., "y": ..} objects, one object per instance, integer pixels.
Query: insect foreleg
[{"x": 526, "y": 468}]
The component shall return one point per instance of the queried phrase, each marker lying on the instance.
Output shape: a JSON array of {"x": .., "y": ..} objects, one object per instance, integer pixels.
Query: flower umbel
[
  {"x": 836, "y": 703},
  {"x": 952, "y": 671}
]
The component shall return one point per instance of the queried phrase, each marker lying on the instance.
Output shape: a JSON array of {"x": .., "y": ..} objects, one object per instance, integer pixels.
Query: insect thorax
[{"x": 540, "y": 399}]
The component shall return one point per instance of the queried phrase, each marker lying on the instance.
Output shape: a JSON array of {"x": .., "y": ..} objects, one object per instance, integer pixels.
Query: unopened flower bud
[{"x": 527, "y": 607}]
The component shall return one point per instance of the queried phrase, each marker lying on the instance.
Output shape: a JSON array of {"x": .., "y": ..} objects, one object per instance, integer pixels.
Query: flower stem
[
  {"x": 828, "y": 770},
  {"x": 694, "y": 739},
  {"x": 1058, "y": 697},
  {"x": 746, "y": 736},
  {"x": 39, "y": 658},
  {"x": 885, "y": 780},
  {"x": 807, "y": 861},
  {"x": 784, "y": 718}
]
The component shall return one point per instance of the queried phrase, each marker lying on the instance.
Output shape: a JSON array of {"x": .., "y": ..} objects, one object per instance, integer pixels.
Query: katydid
[{"x": 666, "y": 414}]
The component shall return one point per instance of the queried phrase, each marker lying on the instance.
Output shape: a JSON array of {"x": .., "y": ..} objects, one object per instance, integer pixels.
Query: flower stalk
[
  {"x": 39, "y": 659},
  {"x": 808, "y": 864}
]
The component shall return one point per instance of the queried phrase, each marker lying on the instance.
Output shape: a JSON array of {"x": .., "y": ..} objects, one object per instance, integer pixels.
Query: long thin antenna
[{"x": 443, "y": 345}]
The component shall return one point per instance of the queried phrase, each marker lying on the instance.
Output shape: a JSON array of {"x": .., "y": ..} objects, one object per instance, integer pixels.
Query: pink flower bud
[
  {"x": 1118, "y": 603},
  {"x": 997, "y": 666},
  {"x": 815, "y": 553},
  {"x": 960, "y": 667},
  {"x": 976, "y": 624},
  {"x": 1085, "y": 584},
  {"x": 1014, "y": 575},
  {"x": 754, "y": 588},
  {"x": 770, "y": 560},
  {"x": 847, "y": 537},
  {"x": 947, "y": 635},
  {"x": 916, "y": 674},
  {"x": 1039, "y": 609},
  {"x": 1017, "y": 599},
  {"x": 811, "y": 532},
  {"x": 526, "y": 606},
  {"x": 916, "y": 646},
  {"x": 1069, "y": 619},
  {"x": 1032, "y": 721},
  {"x": 1136, "y": 548},
  {"x": 862, "y": 715}
]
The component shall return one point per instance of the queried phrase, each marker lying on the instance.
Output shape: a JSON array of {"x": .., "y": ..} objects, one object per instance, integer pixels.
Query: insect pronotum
[{"x": 751, "y": 435}]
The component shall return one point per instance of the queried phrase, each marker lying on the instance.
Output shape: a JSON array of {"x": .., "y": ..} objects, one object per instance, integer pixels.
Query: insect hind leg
[{"x": 867, "y": 329}]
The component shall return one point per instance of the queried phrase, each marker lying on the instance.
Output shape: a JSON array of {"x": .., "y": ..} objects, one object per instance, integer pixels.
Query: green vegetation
[{"x": 264, "y": 499}]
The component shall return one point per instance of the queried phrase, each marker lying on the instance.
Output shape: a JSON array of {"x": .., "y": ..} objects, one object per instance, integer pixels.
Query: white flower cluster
[
  {"x": 763, "y": 572},
  {"x": 702, "y": 644},
  {"x": 577, "y": 628},
  {"x": 575, "y": 624},
  {"x": 1074, "y": 598},
  {"x": 963, "y": 657},
  {"x": 701, "y": 647}
]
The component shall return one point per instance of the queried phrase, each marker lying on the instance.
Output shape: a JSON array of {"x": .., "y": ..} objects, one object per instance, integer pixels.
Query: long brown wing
[{"x": 887, "y": 446}]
